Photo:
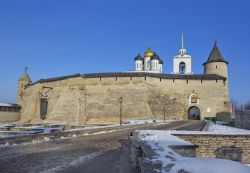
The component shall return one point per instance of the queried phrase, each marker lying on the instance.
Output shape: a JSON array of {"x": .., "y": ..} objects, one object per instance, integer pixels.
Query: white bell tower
[{"x": 182, "y": 61}]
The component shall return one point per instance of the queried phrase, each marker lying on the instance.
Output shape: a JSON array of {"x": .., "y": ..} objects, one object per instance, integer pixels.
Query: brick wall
[{"x": 210, "y": 145}]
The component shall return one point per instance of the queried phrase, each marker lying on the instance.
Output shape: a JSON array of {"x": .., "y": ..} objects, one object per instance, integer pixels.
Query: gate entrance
[{"x": 194, "y": 113}]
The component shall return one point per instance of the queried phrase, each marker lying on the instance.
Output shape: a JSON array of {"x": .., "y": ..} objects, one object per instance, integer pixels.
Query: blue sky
[{"x": 59, "y": 37}]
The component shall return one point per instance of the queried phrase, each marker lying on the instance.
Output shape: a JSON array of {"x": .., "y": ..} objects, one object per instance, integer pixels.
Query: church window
[
  {"x": 216, "y": 66},
  {"x": 182, "y": 68}
]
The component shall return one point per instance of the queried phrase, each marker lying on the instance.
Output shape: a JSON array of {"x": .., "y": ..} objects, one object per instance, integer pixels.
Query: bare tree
[{"x": 247, "y": 105}]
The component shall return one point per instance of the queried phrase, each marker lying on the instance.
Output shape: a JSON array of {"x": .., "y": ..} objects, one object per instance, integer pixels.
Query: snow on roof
[
  {"x": 160, "y": 141},
  {"x": 6, "y": 104}
]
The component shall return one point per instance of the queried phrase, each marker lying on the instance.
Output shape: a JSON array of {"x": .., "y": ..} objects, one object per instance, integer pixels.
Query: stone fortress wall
[
  {"x": 147, "y": 94},
  {"x": 95, "y": 100},
  {"x": 9, "y": 112},
  {"x": 9, "y": 117}
]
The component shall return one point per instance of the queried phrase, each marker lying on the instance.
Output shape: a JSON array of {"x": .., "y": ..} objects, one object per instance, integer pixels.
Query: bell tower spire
[
  {"x": 182, "y": 61},
  {"x": 182, "y": 50},
  {"x": 182, "y": 41}
]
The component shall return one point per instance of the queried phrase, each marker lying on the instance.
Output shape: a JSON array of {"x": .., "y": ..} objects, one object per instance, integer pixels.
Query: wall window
[
  {"x": 43, "y": 108},
  {"x": 182, "y": 68}
]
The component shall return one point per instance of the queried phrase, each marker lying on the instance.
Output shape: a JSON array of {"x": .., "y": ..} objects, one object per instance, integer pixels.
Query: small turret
[
  {"x": 23, "y": 82},
  {"x": 138, "y": 63},
  {"x": 155, "y": 62},
  {"x": 215, "y": 63}
]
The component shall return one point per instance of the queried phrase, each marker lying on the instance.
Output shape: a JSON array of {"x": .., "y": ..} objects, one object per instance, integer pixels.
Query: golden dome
[{"x": 149, "y": 52}]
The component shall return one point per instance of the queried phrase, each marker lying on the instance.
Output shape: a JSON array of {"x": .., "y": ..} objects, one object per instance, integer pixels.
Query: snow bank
[
  {"x": 215, "y": 129},
  {"x": 220, "y": 129},
  {"x": 172, "y": 162}
]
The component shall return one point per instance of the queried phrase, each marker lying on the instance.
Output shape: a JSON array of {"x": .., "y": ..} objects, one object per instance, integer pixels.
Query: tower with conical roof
[
  {"x": 182, "y": 61},
  {"x": 215, "y": 63},
  {"x": 23, "y": 82}
]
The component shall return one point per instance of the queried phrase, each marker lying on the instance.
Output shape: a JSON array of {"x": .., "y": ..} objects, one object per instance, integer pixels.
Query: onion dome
[
  {"x": 160, "y": 61},
  {"x": 24, "y": 76},
  {"x": 215, "y": 55},
  {"x": 149, "y": 52},
  {"x": 138, "y": 57},
  {"x": 155, "y": 56}
]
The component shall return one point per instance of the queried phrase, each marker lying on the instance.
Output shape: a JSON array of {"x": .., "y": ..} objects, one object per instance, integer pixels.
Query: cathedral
[
  {"x": 145, "y": 93},
  {"x": 152, "y": 63}
]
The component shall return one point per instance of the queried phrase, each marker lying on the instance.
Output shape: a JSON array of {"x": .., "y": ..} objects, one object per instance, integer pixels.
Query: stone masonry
[
  {"x": 93, "y": 100},
  {"x": 233, "y": 147},
  {"x": 146, "y": 93}
]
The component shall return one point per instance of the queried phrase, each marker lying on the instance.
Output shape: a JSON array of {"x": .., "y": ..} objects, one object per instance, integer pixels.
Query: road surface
[{"x": 105, "y": 153}]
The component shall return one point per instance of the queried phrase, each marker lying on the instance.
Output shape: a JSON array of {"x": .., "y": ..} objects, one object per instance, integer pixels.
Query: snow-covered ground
[
  {"x": 8, "y": 130},
  {"x": 216, "y": 129},
  {"x": 146, "y": 121},
  {"x": 125, "y": 123},
  {"x": 172, "y": 162},
  {"x": 221, "y": 129}
]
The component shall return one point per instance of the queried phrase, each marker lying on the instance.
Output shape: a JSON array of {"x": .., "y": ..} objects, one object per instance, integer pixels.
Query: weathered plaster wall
[{"x": 93, "y": 100}]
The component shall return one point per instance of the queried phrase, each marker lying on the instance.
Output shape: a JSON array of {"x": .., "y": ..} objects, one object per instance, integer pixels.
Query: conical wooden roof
[{"x": 215, "y": 55}]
